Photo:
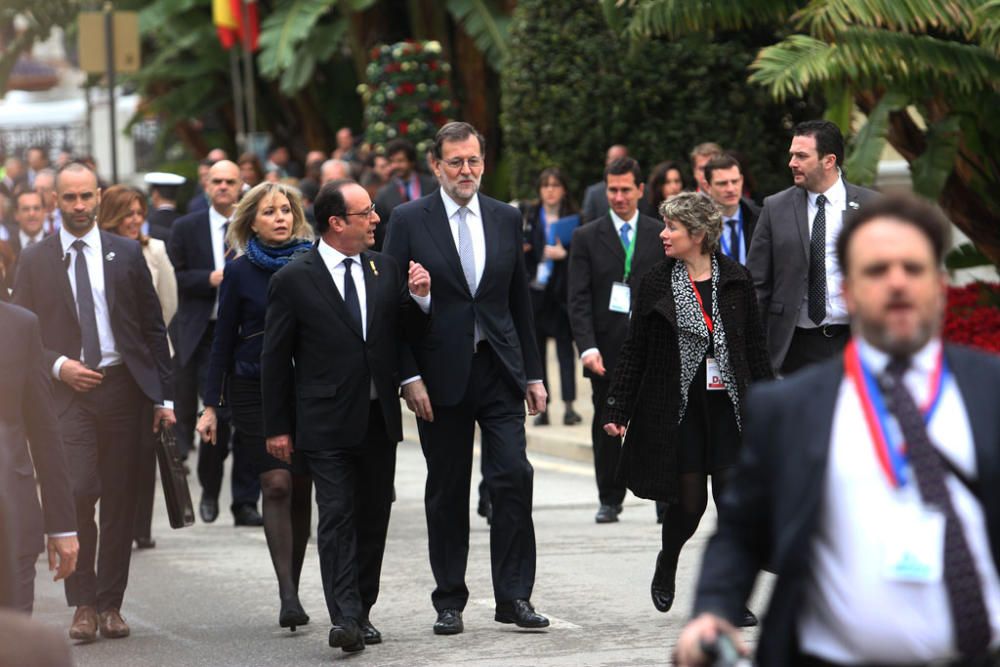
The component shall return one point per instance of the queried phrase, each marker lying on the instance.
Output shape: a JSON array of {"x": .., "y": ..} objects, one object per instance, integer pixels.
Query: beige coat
[{"x": 164, "y": 281}]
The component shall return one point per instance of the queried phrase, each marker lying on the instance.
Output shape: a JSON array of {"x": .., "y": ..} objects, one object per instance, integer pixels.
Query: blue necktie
[
  {"x": 85, "y": 308},
  {"x": 626, "y": 228},
  {"x": 351, "y": 295}
]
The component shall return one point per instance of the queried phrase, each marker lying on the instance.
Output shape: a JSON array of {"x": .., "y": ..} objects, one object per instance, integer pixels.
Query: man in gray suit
[{"x": 791, "y": 255}]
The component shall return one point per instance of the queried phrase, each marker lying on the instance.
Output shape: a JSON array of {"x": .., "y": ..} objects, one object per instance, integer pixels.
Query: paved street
[{"x": 207, "y": 596}]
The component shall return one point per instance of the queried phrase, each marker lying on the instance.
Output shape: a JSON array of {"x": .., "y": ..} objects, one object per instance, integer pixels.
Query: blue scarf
[{"x": 271, "y": 258}]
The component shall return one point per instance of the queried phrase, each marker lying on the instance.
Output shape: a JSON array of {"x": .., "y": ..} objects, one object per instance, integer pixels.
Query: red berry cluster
[{"x": 973, "y": 316}]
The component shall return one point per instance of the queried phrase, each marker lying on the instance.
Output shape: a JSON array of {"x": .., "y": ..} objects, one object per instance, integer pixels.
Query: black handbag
[{"x": 180, "y": 509}]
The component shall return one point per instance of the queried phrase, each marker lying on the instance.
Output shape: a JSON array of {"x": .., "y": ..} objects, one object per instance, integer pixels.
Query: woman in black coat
[
  {"x": 695, "y": 344},
  {"x": 269, "y": 228}
]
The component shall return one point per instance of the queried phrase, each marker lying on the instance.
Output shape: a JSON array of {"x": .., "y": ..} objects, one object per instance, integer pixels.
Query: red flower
[
  {"x": 973, "y": 316},
  {"x": 404, "y": 127}
]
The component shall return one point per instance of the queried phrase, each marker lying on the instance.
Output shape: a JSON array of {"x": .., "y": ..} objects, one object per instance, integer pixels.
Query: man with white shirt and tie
[
  {"x": 791, "y": 253},
  {"x": 198, "y": 252},
  {"x": 477, "y": 362},
  {"x": 869, "y": 483},
  {"x": 607, "y": 259},
  {"x": 106, "y": 345},
  {"x": 724, "y": 177},
  {"x": 336, "y": 324}
]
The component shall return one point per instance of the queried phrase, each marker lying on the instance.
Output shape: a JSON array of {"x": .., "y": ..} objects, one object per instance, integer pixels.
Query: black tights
[
  {"x": 287, "y": 505},
  {"x": 681, "y": 519}
]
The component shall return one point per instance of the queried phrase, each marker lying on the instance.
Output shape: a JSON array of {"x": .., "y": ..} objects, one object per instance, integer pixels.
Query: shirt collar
[
  {"x": 924, "y": 360},
  {"x": 836, "y": 195},
  {"x": 738, "y": 216},
  {"x": 618, "y": 222},
  {"x": 332, "y": 256},
  {"x": 26, "y": 239},
  {"x": 215, "y": 218},
  {"x": 451, "y": 206},
  {"x": 91, "y": 238}
]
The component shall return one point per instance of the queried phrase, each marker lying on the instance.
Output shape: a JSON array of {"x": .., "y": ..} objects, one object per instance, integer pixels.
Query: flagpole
[
  {"x": 248, "y": 68},
  {"x": 234, "y": 73}
]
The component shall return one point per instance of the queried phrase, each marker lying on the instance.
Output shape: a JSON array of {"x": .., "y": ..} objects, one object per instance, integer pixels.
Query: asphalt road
[{"x": 206, "y": 595}]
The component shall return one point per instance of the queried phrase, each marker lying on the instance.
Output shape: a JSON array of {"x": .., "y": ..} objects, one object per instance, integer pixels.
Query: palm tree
[{"x": 926, "y": 73}]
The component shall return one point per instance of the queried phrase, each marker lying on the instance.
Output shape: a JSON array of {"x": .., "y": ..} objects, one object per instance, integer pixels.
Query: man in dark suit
[
  {"x": 332, "y": 343},
  {"x": 27, "y": 421},
  {"x": 163, "y": 189},
  {"x": 29, "y": 216},
  {"x": 724, "y": 177},
  {"x": 106, "y": 344},
  {"x": 477, "y": 362},
  {"x": 198, "y": 251},
  {"x": 595, "y": 198},
  {"x": 406, "y": 183},
  {"x": 884, "y": 554},
  {"x": 790, "y": 258},
  {"x": 201, "y": 199},
  {"x": 608, "y": 259}
]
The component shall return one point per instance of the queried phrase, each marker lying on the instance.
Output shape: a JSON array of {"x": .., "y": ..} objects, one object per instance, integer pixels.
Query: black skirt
[
  {"x": 708, "y": 439},
  {"x": 247, "y": 418}
]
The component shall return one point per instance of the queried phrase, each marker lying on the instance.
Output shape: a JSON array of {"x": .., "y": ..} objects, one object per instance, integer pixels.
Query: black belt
[
  {"x": 827, "y": 330},
  {"x": 109, "y": 371}
]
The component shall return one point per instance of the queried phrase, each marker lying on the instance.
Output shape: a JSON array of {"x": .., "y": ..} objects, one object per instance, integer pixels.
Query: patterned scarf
[
  {"x": 693, "y": 333},
  {"x": 273, "y": 257}
]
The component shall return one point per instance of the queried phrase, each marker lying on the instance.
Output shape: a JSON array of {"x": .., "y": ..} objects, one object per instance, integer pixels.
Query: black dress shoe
[
  {"x": 208, "y": 509},
  {"x": 145, "y": 543},
  {"x": 542, "y": 419},
  {"x": 521, "y": 614},
  {"x": 247, "y": 515},
  {"x": 485, "y": 510},
  {"x": 347, "y": 636},
  {"x": 749, "y": 620},
  {"x": 607, "y": 514},
  {"x": 292, "y": 614},
  {"x": 370, "y": 633},
  {"x": 571, "y": 418},
  {"x": 449, "y": 622},
  {"x": 662, "y": 588}
]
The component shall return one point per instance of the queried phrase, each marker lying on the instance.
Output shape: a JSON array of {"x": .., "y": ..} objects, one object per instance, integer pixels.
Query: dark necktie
[
  {"x": 734, "y": 239},
  {"x": 351, "y": 294},
  {"x": 965, "y": 596},
  {"x": 817, "y": 264},
  {"x": 85, "y": 308}
]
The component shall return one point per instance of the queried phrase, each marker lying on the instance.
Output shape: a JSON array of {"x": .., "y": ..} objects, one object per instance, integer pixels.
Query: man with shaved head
[{"x": 198, "y": 251}]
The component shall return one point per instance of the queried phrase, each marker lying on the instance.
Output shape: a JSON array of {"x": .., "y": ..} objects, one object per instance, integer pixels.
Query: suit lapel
[
  {"x": 491, "y": 236},
  {"x": 801, "y": 210},
  {"x": 58, "y": 268},
  {"x": 369, "y": 267},
  {"x": 328, "y": 289},
  {"x": 439, "y": 229},
  {"x": 607, "y": 235},
  {"x": 205, "y": 242},
  {"x": 107, "y": 257}
]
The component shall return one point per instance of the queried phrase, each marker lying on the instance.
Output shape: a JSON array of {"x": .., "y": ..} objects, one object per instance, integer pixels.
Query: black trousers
[
  {"x": 555, "y": 325},
  {"x": 354, "y": 496},
  {"x": 492, "y": 401},
  {"x": 145, "y": 478},
  {"x": 100, "y": 431},
  {"x": 607, "y": 449},
  {"x": 810, "y": 346},
  {"x": 24, "y": 583}
]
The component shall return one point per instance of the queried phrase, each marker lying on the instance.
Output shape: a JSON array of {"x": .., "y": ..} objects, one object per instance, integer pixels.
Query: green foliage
[
  {"x": 488, "y": 27},
  {"x": 932, "y": 168},
  {"x": 965, "y": 256},
  {"x": 677, "y": 18},
  {"x": 40, "y": 16},
  {"x": 660, "y": 98},
  {"x": 865, "y": 149}
]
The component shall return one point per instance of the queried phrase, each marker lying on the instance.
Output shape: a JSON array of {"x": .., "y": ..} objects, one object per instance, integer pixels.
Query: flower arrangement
[
  {"x": 408, "y": 94},
  {"x": 973, "y": 316}
]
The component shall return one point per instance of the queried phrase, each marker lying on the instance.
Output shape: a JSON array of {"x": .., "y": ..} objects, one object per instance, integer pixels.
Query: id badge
[
  {"x": 913, "y": 551},
  {"x": 621, "y": 298},
  {"x": 713, "y": 375}
]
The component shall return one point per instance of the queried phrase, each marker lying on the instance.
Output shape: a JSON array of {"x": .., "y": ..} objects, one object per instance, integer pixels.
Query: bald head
[
  {"x": 333, "y": 170},
  {"x": 616, "y": 152},
  {"x": 217, "y": 155},
  {"x": 223, "y": 186}
]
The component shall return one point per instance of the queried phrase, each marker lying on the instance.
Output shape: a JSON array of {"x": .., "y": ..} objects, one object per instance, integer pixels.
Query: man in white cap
[{"x": 163, "y": 189}]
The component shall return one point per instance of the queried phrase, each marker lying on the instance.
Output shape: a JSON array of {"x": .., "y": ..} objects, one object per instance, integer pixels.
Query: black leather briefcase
[{"x": 175, "y": 487}]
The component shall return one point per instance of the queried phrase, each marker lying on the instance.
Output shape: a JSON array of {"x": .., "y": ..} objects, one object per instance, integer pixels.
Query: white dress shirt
[
  {"x": 851, "y": 612},
  {"x": 26, "y": 240},
  {"x": 474, "y": 219},
  {"x": 95, "y": 270},
  {"x": 618, "y": 222},
  {"x": 217, "y": 223},
  {"x": 836, "y": 309}
]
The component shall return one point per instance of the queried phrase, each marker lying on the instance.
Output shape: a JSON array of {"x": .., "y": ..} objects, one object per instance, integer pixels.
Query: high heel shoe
[
  {"x": 292, "y": 614},
  {"x": 662, "y": 588}
]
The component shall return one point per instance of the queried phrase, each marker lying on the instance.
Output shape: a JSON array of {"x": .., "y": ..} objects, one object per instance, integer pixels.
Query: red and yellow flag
[{"x": 228, "y": 17}]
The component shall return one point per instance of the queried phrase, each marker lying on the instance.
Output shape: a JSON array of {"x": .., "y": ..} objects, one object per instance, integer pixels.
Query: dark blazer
[
  {"x": 651, "y": 361},
  {"x": 595, "y": 202},
  {"x": 26, "y": 418},
  {"x": 324, "y": 398},
  {"x": 190, "y": 251},
  {"x": 554, "y": 303},
  {"x": 420, "y": 231},
  {"x": 596, "y": 261},
  {"x": 160, "y": 220},
  {"x": 388, "y": 197},
  {"x": 198, "y": 202},
  {"x": 771, "y": 509},
  {"x": 750, "y": 212},
  {"x": 42, "y": 286},
  {"x": 779, "y": 261}
]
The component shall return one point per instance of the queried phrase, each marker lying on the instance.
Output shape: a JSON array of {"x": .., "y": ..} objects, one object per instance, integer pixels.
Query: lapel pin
[
  {"x": 371, "y": 263},
  {"x": 854, "y": 205},
  {"x": 110, "y": 256}
]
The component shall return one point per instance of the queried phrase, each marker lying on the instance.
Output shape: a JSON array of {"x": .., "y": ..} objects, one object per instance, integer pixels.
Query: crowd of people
[{"x": 773, "y": 355}]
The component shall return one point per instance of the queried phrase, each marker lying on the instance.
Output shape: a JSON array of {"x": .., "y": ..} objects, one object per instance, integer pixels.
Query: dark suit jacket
[
  {"x": 388, "y": 197},
  {"x": 420, "y": 232},
  {"x": 750, "y": 213},
  {"x": 190, "y": 251},
  {"x": 596, "y": 261},
  {"x": 160, "y": 220},
  {"x": 324, "y": 398},
  {"x": 26, "y": 416},
  {"x": 779, "y": 262},
  {"x": 595, "y": 202},
  {"x": 771, "y": 509},
  {"x": 42, "y": 286}
]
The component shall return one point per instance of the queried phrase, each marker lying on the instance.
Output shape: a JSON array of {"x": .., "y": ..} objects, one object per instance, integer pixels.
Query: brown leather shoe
[
  {"x": 84, "y": 626},
  {"x": 113, "y": 626}
]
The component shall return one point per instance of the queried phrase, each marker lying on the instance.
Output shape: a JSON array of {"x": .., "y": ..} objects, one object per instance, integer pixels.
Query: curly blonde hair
[
  {"x": 697, "y": 213},
  {"x": 240, "y": 231}
]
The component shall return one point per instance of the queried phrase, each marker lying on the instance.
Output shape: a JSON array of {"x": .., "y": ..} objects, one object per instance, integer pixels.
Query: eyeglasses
[
  {"x": 366, "y": 213},
  {"x": 227, "y": 181},
  {"x": 456, "y": 163}
]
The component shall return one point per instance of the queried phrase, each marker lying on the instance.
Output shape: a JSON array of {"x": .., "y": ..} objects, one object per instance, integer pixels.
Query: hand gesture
[
  {"x": 419, "y": 280},
  {"x": 79, "y": 377}
]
